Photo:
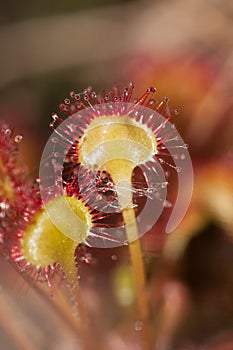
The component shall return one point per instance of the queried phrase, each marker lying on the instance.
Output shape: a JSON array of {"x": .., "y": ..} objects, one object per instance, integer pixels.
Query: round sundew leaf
[
  {"x": 113, "y": 137},
  {"x": 44, "y": 244}
]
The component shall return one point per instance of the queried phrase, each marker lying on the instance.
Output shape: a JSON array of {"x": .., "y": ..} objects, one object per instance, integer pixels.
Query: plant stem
[
  {"x": 70, "y": 269},
  {"x": 137, "y": 262},
  {"x": 138, "y": 275},
  {"x": 121, "y": 172}
]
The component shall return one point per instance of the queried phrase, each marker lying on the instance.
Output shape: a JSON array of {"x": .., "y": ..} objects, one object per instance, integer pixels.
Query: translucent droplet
[
  {"x": 114, "y": 257},
  {"x": 4, "y": 206},
  {"x": 151, "y": 90},
  {"x": 138, "y": 326},
  {"x": 55, "y": 117},
  {"x": 7, "y": 131},
  {"x": 88, "y": 258},
  {"x": 167, "y": 204},
  {"x": 18, "y": 138},
  {"x": 54, "y": 140},
  {"x": 56, "y": 154}
]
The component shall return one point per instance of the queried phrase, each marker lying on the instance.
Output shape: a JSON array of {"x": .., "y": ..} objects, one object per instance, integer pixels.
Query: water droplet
[
  {"x": 56, "y": 154},
  {"x": 7, "y": 131},
  {"x": 151, "y": 90},
  {"x": 4, "y": 206},
  {"x": 183, "y": 156},
  {"x": 178, "y": 169},
  {"x": 54, "y": 140},
  {"x": 138, "y": 326},
  {"x": 54, "y": 116},
  {"x": 114, "y": 257},
  {"x": 18, "y": 138},
  {"x": 167, "y": 204},
  {"x": 87, "y": 258}
]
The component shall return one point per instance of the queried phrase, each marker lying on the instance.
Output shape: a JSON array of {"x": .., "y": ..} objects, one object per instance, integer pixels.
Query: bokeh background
[{"x": 183, "y": 48}]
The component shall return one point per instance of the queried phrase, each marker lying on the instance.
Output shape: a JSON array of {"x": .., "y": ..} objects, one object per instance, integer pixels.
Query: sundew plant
[{"x": 106, "y": 152}]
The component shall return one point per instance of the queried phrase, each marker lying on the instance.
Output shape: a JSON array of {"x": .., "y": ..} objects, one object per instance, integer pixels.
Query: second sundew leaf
[{"x": 44, "y": 244}]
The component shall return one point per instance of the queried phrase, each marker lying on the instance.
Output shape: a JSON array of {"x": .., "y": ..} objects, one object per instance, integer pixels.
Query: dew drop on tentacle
[
  {"x": 7, "y": 132},
  {"x": 18, "y": 138}
]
